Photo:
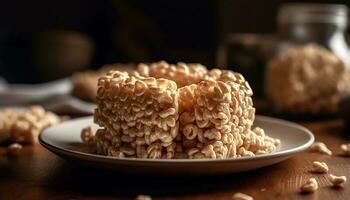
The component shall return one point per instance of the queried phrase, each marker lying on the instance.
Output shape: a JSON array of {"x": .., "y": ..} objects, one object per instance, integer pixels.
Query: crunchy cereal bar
[
  {"x": 216, "y": 116},
  {"x": 140, "y": 112},
  {"x": 211, "y": 116}
]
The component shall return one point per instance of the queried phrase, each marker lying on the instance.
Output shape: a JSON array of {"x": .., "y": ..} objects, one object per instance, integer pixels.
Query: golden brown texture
[{"x": 211, "y": 116}]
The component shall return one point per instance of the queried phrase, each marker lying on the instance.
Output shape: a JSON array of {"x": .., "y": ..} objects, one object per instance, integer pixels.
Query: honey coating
[{"x": 177, "y": 111}]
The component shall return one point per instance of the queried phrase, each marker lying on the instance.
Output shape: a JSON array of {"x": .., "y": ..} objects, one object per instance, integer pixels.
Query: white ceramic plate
[{"x": 64, "y": 140}]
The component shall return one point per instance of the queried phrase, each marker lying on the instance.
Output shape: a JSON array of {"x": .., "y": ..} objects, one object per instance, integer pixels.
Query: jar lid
[{"x": 313, "y": 13}]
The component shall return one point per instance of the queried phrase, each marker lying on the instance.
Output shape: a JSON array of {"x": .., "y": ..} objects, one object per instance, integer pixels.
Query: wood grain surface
[{"x": 39, "y": 174}]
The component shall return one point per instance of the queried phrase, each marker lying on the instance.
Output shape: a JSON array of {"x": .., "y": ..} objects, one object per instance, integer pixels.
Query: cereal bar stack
[{"x": 145, "y": 115}]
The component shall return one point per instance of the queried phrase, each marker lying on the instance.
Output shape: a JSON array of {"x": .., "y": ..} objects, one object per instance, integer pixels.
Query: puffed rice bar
[
  {"x": 146, "y": 117},
  {"x": 140, "y": 113},
  {"x": 216, "y": 116},
  {"x": 14, "y": 149},
  {"x": 143, "y": 197}
]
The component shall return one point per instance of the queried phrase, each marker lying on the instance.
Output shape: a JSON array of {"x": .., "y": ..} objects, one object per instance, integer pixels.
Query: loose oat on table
[
  {"x": 337, "y": 180},
  {"x": 14, "y": 149},
  {"x": 345, "y": 149},
  {"x": 153, "y": 113},
  {"x": 309, "y": 186},
  {"x": 143, "y": 197},
  {"x": 320, "y": 147},
  {"x": 24, "y": 126},
  {"x": 241, "y": 196},
  {"x": 319, "y": 167}
]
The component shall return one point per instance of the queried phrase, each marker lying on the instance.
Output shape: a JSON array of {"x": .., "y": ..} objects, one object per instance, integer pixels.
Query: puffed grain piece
[
  {"x": 241, "y": 196},
  {"x": 310, "y": 186},
  {"x": 345, "y": 149},
  {"x": 143, "y": 197},
  {"x": 14, "y": 149},
  {"x": 320, "y": 147},
  {"x": 86, "y": 134},
  {"x": 319, "y": 167},
  {"x": 337, "y": 180}
]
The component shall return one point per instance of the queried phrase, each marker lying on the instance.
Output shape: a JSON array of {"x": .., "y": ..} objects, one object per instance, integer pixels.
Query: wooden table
[{"x": 39, "y": 174}]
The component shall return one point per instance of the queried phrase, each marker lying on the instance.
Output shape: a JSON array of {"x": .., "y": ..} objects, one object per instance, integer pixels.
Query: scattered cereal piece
[
  {"x": 337, "y": 180},
  {"x": 263, "y": 189},
  {"x": 241, "y": 196},
  {"x": 321, "y": 148},
  {"x": 319, "y": 167},
  {"x": 143, "y": 197},
  {"x": 346, "y": 149},
  {"x": 14, "y": 149},
  {"x": 310, "y": 186},
  {"x": 86, "y": 134}
]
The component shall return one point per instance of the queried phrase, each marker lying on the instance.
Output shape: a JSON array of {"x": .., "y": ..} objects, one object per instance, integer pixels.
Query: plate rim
[{"x": 287, "y": 152}]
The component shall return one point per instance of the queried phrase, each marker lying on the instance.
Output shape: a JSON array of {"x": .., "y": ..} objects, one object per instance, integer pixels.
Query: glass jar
[
  {"x": 324, "y": 24},
  {"x": 246, "y": 53},
  {"x": 309, "y": 69}
]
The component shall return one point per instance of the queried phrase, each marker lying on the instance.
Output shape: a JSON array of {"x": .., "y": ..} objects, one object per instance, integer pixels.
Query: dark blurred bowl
[{"x": 58, "y": 54}]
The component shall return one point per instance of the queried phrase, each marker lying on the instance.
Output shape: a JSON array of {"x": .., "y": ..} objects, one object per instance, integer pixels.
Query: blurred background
[
  {"x": 43, "y": 41},
  {"x": 46, "y": 40}
]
